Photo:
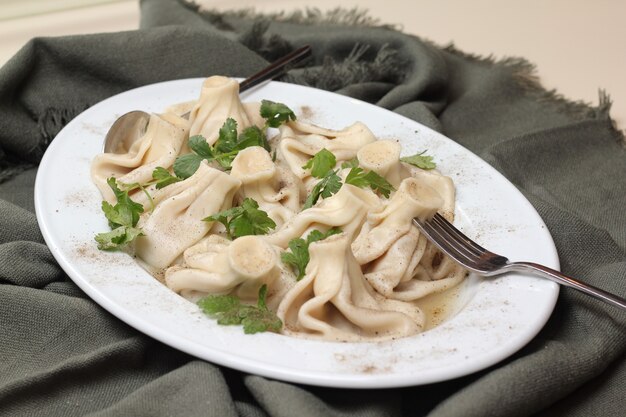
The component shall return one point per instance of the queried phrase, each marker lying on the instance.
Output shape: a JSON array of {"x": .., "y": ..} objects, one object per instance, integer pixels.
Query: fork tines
[{"x": 452, "y": 241}]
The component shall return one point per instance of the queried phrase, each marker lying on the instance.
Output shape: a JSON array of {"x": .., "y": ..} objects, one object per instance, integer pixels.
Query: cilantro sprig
[
  {"x": 229, "y": 143},
  {"x": 187, "y": 165},
  {"x": 122, "y": 217},
  {"x": 276, "y": 114},
  {"x": 327, "y": 186},
  {"x": 321, "y": 166},
  {"x": 321, "y": 163},
  {"x": 223, "y": 152},
  {"x": 161, "y": 177},
  {"x": 299, "y": 257},
  {"x": 354, "y": 162},
  {"x": 244, "y": 220},
  {"x": 228, "y": 310},
  {"x": 420, "y": 160},
  {"x": 360, "y": 178}
]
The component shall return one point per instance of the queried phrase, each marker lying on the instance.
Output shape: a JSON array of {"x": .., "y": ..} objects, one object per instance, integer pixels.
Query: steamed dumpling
[
  {"x": 394, "y": 219},
  {"x": 435, "y": 180},
  {"x": 157, "y": 147},
  {"x": 433, "y": 273},
  {"x": 217, "y": 265},
  {"x": 334, "y": 302},
  {"x": 219, "y": 100},
  {"x": 298, "y": 142},
  {"x": 346, "y": 209},
  {"x": 276, "y": 189},
  {"x": 397, "y": 261},
  {"x": 383, "y": 157},
  {"x": 176, "y": 222}
]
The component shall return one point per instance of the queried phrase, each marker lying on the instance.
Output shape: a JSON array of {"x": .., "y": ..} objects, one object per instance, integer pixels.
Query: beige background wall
[{"x": 578, "y": 46}]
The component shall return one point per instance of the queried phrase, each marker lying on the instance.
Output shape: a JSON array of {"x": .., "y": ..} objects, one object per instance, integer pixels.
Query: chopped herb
[
  {"x": 420, "y": 160},
  {"x": 224, "y": 151},
  {"x": 252, "y": 136},
  {"x": 228, "y": 310},
  {"x": 327, "y": 186},
  {"x": 126, "y": 212},
  {"x": 187, "y": 165},
  {"x": 276, "y": 114},
  {"x": 321, "y": 163},
  {"x": 359, "y": 178},
  {"x": 354, "y": 162},
  {"x": 244, "y": 220},
  {"x": 227, "y": 138},
  {"x": 163, "y": 177},
  {"x": 122, "y": 217},
  {"x": 299, "y": 258},
  {"x": 117, "y": 238}
]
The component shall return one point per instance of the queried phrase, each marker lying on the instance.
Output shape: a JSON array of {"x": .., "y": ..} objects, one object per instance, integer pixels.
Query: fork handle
[{"x": 562, "y": 279}]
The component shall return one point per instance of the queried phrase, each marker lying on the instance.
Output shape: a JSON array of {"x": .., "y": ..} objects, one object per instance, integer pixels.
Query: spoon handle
[{"x": 276, "y": 68}]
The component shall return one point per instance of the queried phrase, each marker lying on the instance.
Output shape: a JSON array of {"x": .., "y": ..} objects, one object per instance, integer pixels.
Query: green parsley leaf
[
  {"x": 216, "y": 304},
  {"x": 115, "y": 216},
  {"x": 420, "y": 160},
  {"x": 201, "y": 147},
  {"x": 327, "y": 186},
  {"x": 126, "y": 212},
  {"x": 244, "y": 220},
  {"x": 187, "y": 165},
  {"x": 228, "y": 137},
  {"x": 321, "y": 163},
  {"x": 224, "y": 216},
  {"x": 316, "y": 235},
  {"x": 122, "y": 217},
  {"x": 299, "y": 258},
  {"x": 163, "y": 177},
  {"x": 276, "y": 114},
  {"x": 354, "y": 162},
  {"x": 229, "y": 144},
  {"x": 228, "y": 310},
  {"x": 356, "y": 177},
  {"x": 359, "y": 178},
  {"x": 252, "y": 136},
  {"x": 117, "y": 238},
  {"x": 224, "y": 151}
]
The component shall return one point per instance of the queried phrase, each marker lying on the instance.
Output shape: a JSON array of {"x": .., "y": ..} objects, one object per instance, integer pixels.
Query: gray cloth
[{"x": 64, "y": 355}]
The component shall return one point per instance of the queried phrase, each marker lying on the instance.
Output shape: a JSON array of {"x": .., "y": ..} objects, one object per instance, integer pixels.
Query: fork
[{"x": 475, "y": 258}]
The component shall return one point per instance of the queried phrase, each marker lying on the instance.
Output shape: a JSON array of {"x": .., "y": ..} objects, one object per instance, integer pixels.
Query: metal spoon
[{"x": 132, "y": 125}]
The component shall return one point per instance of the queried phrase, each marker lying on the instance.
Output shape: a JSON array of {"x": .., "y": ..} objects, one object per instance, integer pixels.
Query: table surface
[{"x": 578, "y": 46}]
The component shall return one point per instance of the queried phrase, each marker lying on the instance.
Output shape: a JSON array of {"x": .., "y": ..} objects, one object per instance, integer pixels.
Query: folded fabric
[{"x": 64, "y": 355}]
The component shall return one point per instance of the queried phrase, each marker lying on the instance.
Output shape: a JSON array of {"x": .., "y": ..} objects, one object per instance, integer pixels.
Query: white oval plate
[{"x": 498, "y": 316}]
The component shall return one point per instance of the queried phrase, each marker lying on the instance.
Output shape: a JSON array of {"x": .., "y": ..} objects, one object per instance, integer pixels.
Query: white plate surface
[{"x": 496, "y": 318}]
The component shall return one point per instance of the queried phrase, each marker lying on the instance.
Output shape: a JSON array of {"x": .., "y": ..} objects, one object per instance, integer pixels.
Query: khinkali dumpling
[
  {"x": 276, "y": 189},
  {"x": 157, "y": 147},
  {"x": 441, "y": 183},
  {"x": 346, "y": 210},
  {"x": 394, "y": 219},
  {"x": 383, "y": 157},
  {"x": 334, "y": 302},
  {"x": 217, "y": 265},
  {"x": 219, "y": 100},
  {"x": 397, "y": 261},
  {"x": 298, "y": 142},
  {"x": 176, "y": 222}
]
